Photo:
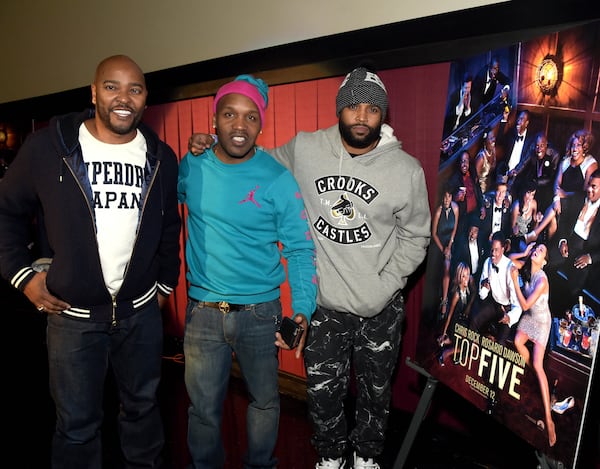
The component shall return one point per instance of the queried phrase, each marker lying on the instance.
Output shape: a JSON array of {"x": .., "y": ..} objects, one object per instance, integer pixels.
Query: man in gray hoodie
[{"x": 367, "y": 203}]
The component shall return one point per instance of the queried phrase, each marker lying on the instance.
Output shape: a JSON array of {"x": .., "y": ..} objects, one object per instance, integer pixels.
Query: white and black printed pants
[{"x": 336, "y": 342}]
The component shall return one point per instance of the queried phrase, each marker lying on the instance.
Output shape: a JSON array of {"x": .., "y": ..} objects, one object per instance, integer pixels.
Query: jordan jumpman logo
[{"x": 250, "y": 197}]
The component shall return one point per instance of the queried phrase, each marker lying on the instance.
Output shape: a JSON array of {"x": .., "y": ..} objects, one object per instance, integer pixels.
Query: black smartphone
[{"x": 291, "y": 332}]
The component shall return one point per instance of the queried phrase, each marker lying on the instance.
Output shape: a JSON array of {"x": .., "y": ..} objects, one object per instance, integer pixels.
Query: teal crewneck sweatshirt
[{"x": 238, "y": 217}]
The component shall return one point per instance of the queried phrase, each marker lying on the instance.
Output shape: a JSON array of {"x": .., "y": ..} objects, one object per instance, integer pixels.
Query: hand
[
  {"x": 539, "y": 216},
  {"x": 162, "y": 300},
  {"x": 583, "y": 261},
  {"x": 42, "y": 299},
  {"x": 505, "y": 319},
  {"x": 514, "y": 272},
  {"x": 298, "y": 319},
  {"x": 466, "y": 99},
  {"x": 199, "y": 142},
  {"x": 443, "y": 340},
  {"x": 528, "y": 249},
  {"x": 556, "y": 207}
]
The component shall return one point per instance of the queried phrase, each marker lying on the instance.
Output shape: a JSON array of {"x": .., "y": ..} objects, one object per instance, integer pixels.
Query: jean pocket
[
  {"x": 268, "y": 311},
  {"x": 190, "y": 309}
]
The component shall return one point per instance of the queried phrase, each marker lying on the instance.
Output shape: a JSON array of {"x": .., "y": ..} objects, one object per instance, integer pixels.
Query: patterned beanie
[
  {"x": 362, "y": 86},
  {"x": 251, "y": 87}
]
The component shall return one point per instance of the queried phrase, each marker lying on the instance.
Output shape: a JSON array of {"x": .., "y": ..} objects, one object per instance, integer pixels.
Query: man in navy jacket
[{"x": 102, "y": 189}]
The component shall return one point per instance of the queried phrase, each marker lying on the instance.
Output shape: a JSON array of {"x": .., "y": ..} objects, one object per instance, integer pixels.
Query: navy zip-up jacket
[{"x": 48, "y": 182}]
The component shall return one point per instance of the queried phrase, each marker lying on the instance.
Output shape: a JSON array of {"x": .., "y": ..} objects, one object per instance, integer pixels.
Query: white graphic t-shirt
[{"x": 116, "y": 174}]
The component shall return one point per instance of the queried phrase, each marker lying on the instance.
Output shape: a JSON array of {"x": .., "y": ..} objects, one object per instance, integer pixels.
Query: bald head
[
  {"x": 119, "y": 61},
  {"x": 119, "y": 94}
]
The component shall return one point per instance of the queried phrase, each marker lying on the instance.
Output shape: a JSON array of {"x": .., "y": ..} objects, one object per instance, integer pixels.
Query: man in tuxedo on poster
[
  {"x": 469, "y": 249},
  {"x": 497, "y": 309},
  {"x": 515, "y": 143},
  {"x": 540, "y": 164},
  {"x": 578, "y": 241},
  {"x": 486, "y": 82},
  {"x": 461, "y": 106},
  {"x": 497, "y": 214}
]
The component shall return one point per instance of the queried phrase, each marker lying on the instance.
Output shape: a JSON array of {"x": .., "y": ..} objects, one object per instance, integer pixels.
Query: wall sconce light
[
  {"x": 3, "y": 136},
  {"x": 549, "y": 75}
]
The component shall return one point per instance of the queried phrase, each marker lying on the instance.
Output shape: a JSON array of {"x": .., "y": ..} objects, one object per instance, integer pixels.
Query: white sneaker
[
  {"x": 360, "y": 463},
  {"x": 328, "y": 463}
]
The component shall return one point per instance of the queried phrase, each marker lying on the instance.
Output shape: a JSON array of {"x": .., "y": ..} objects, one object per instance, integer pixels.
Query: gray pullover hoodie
[{"x": 369, "y": 217}]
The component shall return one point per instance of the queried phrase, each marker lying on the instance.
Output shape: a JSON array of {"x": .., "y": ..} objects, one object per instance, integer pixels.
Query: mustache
[{"x": 123, "y": 107}]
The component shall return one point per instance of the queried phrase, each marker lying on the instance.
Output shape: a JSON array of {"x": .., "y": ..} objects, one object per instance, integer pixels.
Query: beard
[
  {"x": 359, "y": 142},
  {"x": 118, "y": 127}
]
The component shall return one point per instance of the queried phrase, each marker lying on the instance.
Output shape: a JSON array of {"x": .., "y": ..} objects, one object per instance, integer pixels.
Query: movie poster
[{"x": 515, "y": 214}]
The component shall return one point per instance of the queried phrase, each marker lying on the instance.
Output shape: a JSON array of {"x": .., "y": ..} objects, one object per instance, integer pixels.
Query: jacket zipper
[
  {"x": 114, "y": 311},
  {"x": 137, "y": 231}
]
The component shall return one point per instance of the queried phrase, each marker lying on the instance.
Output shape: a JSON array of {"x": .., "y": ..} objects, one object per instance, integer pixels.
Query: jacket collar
[{"x": 67, "y": 132}]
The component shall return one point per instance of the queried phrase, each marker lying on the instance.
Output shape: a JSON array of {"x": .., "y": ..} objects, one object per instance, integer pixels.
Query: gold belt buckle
[{"x": 224, "y": 307}]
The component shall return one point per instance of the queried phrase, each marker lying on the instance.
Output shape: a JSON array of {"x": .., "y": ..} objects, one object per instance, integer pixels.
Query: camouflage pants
[{"x": 337, "y": 341}]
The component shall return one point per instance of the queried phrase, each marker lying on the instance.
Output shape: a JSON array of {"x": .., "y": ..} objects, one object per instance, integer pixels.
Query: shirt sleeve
[
  {"x": 298, "y": 247},
  {"x": 413, "y": 233},
  {"x": 484, "y": 291},
  {"x": 515, "y": 307}
]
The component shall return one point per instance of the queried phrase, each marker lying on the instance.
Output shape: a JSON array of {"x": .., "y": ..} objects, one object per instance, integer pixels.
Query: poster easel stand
[
  {"x": 421, "y": 412},
  {"x": 546, "y": 463},
  {"x": 418, "y": 416}
]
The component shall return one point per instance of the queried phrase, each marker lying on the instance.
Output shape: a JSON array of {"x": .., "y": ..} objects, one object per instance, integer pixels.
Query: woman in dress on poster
[
  {"x": 485, "y": 163},
  {"x": 461, "y": 300},
  {"x": 524, "y": 216},
  {"x": 443, "y": 231},
  {"x": 536, "y": 320}
]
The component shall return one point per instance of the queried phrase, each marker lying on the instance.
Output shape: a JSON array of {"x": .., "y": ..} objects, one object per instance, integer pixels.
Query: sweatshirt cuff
[
  {"x": 22, "y": 278},
  {"x": 164, "y": 289},
  {"x": 307, "y": 315}
]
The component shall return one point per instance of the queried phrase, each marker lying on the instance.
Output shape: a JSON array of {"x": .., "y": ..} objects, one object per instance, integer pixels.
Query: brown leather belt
[{"x": 222, "y": 306}]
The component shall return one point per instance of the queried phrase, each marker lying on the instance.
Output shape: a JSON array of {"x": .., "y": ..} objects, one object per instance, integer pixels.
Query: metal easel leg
[
  {"x": 546, "y": 463},
  {"x": 418, "y": 416}
]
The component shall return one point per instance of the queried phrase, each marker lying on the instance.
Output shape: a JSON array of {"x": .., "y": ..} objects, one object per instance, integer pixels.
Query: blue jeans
[
  {"x": 79, "y": 355},
  {"x": 210, "y": 339}
]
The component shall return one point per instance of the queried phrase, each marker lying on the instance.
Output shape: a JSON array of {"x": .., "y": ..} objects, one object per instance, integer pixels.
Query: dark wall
[{"x": 421, "y": 41}]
